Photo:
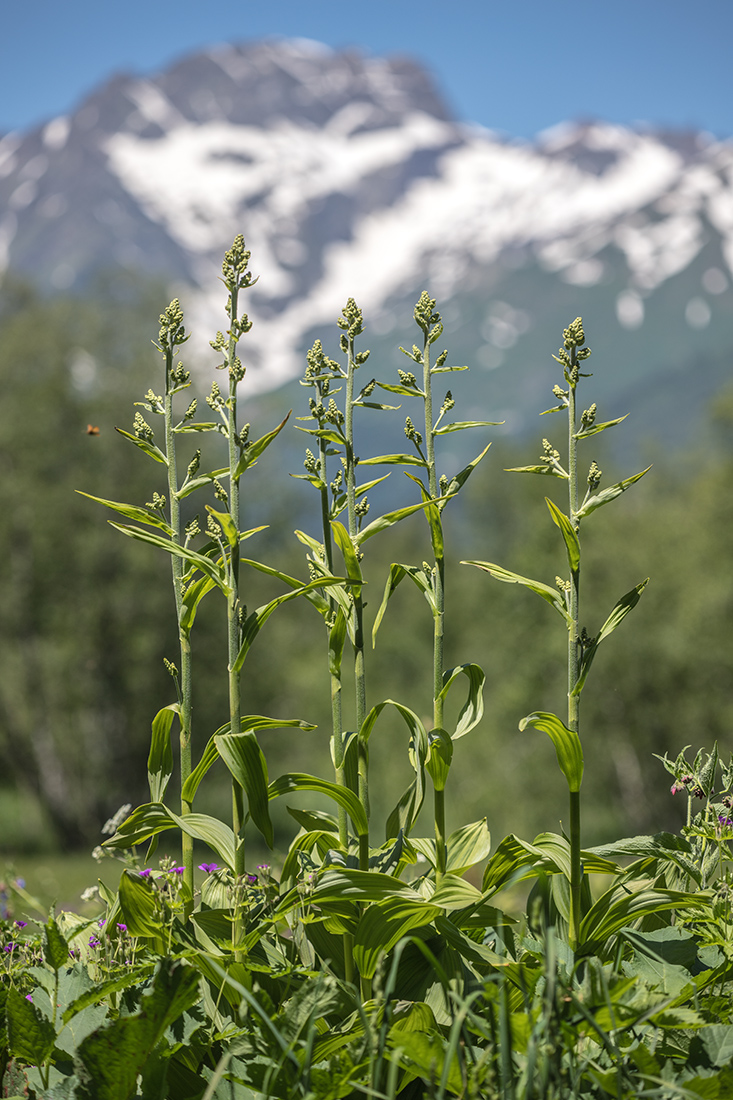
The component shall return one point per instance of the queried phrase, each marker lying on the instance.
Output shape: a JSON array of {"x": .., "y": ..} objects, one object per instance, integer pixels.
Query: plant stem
[
  {"x": 576, "y": 870},
  {"x": 184, "y": 641},
  {"x": 439, "y": 613},
  {"x": 359, "y": 663}
]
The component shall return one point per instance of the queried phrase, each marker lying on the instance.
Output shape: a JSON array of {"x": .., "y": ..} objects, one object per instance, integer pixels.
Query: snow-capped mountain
[{"x": 349, "y": 177}]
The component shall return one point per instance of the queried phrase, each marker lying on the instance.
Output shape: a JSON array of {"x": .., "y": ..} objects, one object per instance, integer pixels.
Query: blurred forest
[{"x": 87, "y": 615}]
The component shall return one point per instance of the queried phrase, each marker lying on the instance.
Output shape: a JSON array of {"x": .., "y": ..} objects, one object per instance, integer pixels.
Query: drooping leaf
[
  {"x": 321, "y": 605},
  {"x": 567, "y": 745},
  {"x": 253, "y": 451},
  {"x": 455, "y": 893},
  {"x": 153, "y": 818},
  {"x": 192, "y": 597},
  {"x": 383, "y": 924},
  {"x": 243, "y": 756},
  {"x": 138, "y": 904},
  {"x": 206, "y": 565},
  {"x": 551, "y": 595},
  {"x": 406, "y": 812},
  {"x": 432, "y": 514},
  {"x": 569, "y": 534},
  {"x": 472, "y": 710},
  {"x": 609, "y": 494},
  {"x": 299, "y": 781},
  {"x": 160, "y": 758},
  {"x": 130, "y": 511},
  {"x": 396, "y": 574},
  {"x": 149, "y": 448}
]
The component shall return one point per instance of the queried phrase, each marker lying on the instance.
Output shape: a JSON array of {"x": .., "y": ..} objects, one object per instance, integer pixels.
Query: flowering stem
[{"x": 576, "y": 870}]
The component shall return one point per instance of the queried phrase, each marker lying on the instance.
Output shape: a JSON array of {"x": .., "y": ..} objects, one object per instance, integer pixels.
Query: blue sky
[{"x": 515, "y": 67}]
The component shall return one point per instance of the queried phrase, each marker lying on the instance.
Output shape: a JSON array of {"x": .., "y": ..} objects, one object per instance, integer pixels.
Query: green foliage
[{"x": 405, "y": 968}]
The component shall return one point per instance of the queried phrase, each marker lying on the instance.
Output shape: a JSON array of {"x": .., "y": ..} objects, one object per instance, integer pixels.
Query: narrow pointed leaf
[
  {"x": 569, "y": 534},
  {"x": 140, "y": 515},
  {"x": 446, "y": 370},
  {"x": 160, "y": 758},
  {"x": 360, "y": 489},
  {"x": 252, "y": 452},
  {"x": 346, "y": 546},
  {"x": 191, "y": 485},
  {"x": 393, "y": 460},
  {"x": 567, "y": 745},
  {"x": 458, "y": 481},
  {"x": 609, "y": 494},
  {"x": 149, "y": 448},
  {"x": 432, "y": 514},
  {"x": 375, "y": 405},
  {"x": 328, "y": 434},
  {"x": 197, "y": 426},
  {"x": 619, "y": 613},
  {"x": 388, "y": 519},
  {"x": 227, "y": 524},
  {"x": 206, "y": 565},
  {"x": 472, "y": 710},
  {"x": 321, "y": 605},
  {"x": 551, "y": 595},
  {"x": 243, "y": 756},
  {"x": 595, "y": 428},
  {"x": 552, "y": 471},
  {"x": 336, "y": 641},
  {"x": 461, "y": 425},
  {"x": 192, "y": 597},
  {"x": 258, "y": 618},
  {"x": 405, "y": 391}
]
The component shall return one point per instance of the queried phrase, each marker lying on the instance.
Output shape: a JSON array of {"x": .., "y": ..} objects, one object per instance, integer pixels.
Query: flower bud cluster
[
  {"x": 407, "y": 378},
  {"x": 352, "y": 322},
  {"x": 234, "y": 266},
  {"x": 424, "y": 312},
  {"x": 172, "y": 333},
  {"x": 157, "y": 503},
  {"x": 411, "y": 432},
  {"x": 594, "y": 476},
  {"x": 142, "y": 429}
]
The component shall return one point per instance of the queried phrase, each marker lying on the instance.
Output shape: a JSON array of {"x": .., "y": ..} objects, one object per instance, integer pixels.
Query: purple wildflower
[
  {"x": 251, "y": 880},
  {"x": 208, "y": 867},
  {"x": 9, "y": 946},
  {"x": 93, "y": 941},
  {"x": 178, "y": 870},
  {"x": 29, "y": 997},
  {"x": 20, "y": 883},
  {"x": 145, "y": 873},
  {"x": 22, "y": 923},
  {"x": 122, "y": 927},
  {"x": 725, "y": 820}
]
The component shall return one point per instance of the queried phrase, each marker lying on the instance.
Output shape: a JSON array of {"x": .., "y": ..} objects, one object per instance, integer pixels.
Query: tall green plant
[{"x": 565, "y": 597}]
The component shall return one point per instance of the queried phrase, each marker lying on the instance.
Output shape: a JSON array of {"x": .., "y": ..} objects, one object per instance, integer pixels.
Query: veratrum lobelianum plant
[{"x": 359, "y": 971}]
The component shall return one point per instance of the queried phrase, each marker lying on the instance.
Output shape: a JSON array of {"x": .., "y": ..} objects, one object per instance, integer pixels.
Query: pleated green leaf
[
  {"x": 439, "y": 757},
  {"x": 569, "y": 534},
  {"x": 138, "y": 904},
  {"x": 160, "y": 758},
  {"x": 385, "y": 923},
  {"x": 455, "y": 893},
  {"x": 467, "y": 846},
  {"x": 153, "y": 818},
  {"x": 551, "y": 595},
  {"x": 567, "y": 745},
  {"x": 617, "y": 908},
  {"x": 472, "y": 710},
  {"x": 609, "y": 494},
  {"x": 349, "y": 884},
  {"x": 243, "y": 756}
]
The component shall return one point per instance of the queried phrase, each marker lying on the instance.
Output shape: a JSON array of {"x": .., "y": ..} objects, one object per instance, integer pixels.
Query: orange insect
[{"x": 91, "y": 430}]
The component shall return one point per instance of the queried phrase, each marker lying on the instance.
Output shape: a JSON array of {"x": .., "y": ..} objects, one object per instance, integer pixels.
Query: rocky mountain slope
[{"x": 348, "y": 177}]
